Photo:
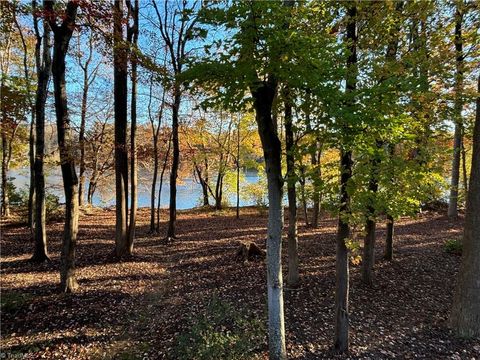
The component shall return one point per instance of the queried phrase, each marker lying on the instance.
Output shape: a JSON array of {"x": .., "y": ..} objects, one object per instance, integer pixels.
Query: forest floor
[{"x": 143, "y": 307}]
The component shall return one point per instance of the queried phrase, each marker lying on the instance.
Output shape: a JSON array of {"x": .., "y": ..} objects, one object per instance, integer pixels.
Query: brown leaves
[{"x": 138, "y": 308}]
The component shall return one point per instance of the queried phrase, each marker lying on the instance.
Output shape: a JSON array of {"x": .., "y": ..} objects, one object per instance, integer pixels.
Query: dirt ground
[{"x": 138, "y": 308}]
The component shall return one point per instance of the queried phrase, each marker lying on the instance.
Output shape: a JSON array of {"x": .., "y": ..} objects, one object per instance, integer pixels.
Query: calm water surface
[{"x": 189, "y": 192}]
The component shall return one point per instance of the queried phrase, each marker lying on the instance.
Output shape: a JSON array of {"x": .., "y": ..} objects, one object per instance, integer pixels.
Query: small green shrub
[
  {"x": 15, "y": 196},
  {"x": 453, "y": 246},
  {"x": 53, "y": 209},
  {"x": 220, "y": 333},
  {"x": 12, "y": 302}
]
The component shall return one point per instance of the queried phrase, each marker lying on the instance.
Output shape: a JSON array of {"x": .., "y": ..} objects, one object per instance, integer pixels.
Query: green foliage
[
  {"x": 257, "y": 192},
  {"x": 19, "y": 197},
  {"x": 222, "y": 332},
  {"x": 16, "y": 197},
  {"x": 12, "y": 302},
  {"x": 53, "y": 209},
  {"x": 453, "y": 246}
]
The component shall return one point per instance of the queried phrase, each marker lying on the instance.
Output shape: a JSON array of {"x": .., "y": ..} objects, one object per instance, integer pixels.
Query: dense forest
[{"x": 320, "y": 162}]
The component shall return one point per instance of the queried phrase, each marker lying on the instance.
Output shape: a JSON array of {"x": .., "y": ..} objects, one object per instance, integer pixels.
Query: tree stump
[{"x": 249, "y": 253}]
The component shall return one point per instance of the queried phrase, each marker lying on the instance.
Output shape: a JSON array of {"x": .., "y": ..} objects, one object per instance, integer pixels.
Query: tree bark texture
[
  {"x": 62, "y": 35},
  {"x": 465, "y": 316},
  {"x": 40, "y": 252},
  {"x": 120, "y": 107}
]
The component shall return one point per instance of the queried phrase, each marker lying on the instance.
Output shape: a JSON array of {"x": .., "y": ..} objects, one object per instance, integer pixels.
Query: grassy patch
[
  {"x": 222, "y": 332},
  {"x": 12, "y": 302},
  {"x": 453, "y": 246}
]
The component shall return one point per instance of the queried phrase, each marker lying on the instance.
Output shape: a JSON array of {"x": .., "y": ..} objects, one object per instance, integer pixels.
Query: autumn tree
[
  {"x": 43, "y": 62},
  {"x": 458, "y": 134},
  {"x": 177, "y": 29},
  {"x": 62, "y": 34},
  {"x": 28, "y": 73},
  {"x": 120, "y": 75},
  {"x": 88, "y": 77},
  {"x": 465, "y": 316},
  {"x": 132, "y": 38}
]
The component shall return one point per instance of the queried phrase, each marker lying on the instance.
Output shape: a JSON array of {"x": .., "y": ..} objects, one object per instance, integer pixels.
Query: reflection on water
[{"x": 189, "y": 192}]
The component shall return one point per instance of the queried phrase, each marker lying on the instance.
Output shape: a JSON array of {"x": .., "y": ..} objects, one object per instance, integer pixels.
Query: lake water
[{"x": 189, "y": 192}]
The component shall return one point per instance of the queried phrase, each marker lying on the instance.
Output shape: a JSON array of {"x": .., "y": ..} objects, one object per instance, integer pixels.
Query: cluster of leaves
[
  {"x": 222, "y": 332},
  {"x": 19, "y": 197},
  {"x": 453, "y": 246}
]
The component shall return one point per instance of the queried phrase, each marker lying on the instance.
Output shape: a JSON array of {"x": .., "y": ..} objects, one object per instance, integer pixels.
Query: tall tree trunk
[
  {"x": 368, "y": 259},
  {"x": 132, "y": 34},
  {"x": 302, "y": 181},
  {"x": 5, "y": 209},
  {"x": 155, "y": 137},
  {"x": 31, "y": 187},
  {"x": 341, "y": 342},
  {"x": 341, "y": 264},
  {"x": 83, "y": 118},
  {"x": 457, "y": 137},
  {"x": 203, "y": 182},
  {"x": 175, "y": 162},
  {"x": 293, "y": 277},
  {"x": 154, "y": 184},
  {"x": 92, "y": 184},
  {"x": 164, "y": 166},
  {"x": 40, "y": 253},
  {"x": 465, "y": 317},
  {"x": 237, "y": 163},
  {"x": 390, "y": 220},
  {"x": 120, "y": 107},
  {"x": 31, "y": 139},
  {"x": 62, "y": 36},
  {"x": 464, "y": 165},
  {"x": 81, "y": 137},
  {"x": 263, "y": 96},
  {"x": 315, "y": 161},
  {"x": 219, "y": 187}
]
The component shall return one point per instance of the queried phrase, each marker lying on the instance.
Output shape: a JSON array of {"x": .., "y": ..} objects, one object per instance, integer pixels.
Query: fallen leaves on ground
[{"x": 137, "y": 308}]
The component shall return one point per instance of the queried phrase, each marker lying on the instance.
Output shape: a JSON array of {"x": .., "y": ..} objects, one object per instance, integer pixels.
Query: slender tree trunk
[
  {"x": 219, "y": 187},
  {"x": 389, "y": 238},
  {"x": 5, "y": 210},
  {"x": 156, "y": 132},
  {"x": 154, "y": 184},
  {"x": 175, "y": 162},
  {"x": 120, "y": 107},
  {"x": 62, "y": 36},
  {"x": 465, "y": 317},
  {"x": 457, "y": 138},
  {"x": 341, "y": 265},
  {"x": 263, "y": 96},
  {"x": 303, "y": 195},
  {"x": 315, "y": 160},
  {"x": 81, "y": 139},
  {"x": 132, "y": 35},
  {"x": 464, "y": 166},
  {"x": 341, "y": 342},
  {"x": 92, "y": 184},
  {"x": 40, "y": 253},
  {"x": 203, "y": 183},
  {"x": 31, "y": 140},
  {"x": 238, "y": 171},
  {"x": 164, "y": 166},
  {"x": 293, "y": 277},
  {"x": 31, "y": 187},
  {"x": 390, "y": 220},
  {"x": 368, "y": 260},
  {"x": 83, "y": 118}
]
